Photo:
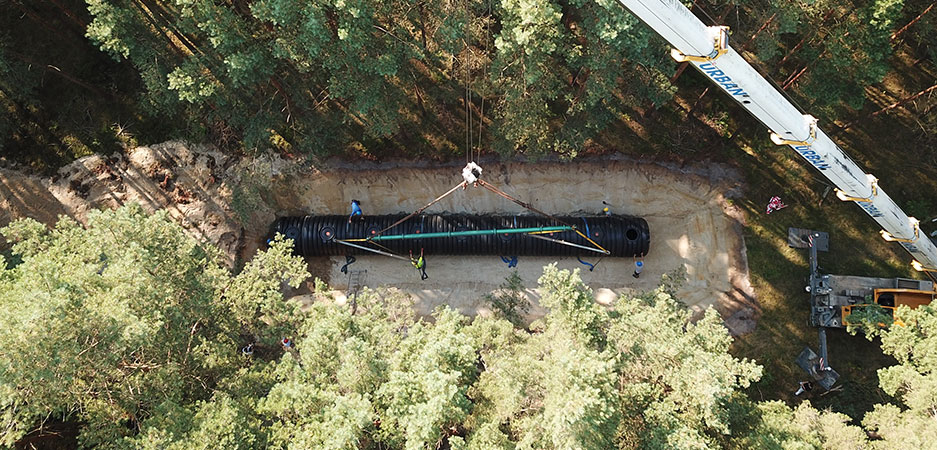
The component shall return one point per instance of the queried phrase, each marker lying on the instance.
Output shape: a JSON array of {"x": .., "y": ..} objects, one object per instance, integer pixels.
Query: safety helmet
[{"x": 604, "y": 209}]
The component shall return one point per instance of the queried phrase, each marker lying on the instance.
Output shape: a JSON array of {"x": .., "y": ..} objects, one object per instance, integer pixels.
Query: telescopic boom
[{"x": 707, "y": 49}]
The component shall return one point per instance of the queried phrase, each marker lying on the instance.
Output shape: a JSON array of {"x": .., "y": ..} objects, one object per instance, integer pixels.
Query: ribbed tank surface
[{"x": 622, "y": 236}]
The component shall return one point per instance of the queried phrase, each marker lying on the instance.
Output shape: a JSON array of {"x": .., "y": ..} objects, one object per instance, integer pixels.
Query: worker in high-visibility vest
[{"x": 420, "y": 264}]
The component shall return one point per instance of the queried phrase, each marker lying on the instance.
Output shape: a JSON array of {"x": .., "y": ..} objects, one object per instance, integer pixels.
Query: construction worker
[
  {"x": 805, "y": 386},
  {"x": 355, "y": 210},
  {"x": 638, "y": 267},
  {"x": 287, "y": 344},
  {"x": 420, "y": 264},
  {"x": 607, "y": 212},
  {"x": 774, "y": 204}
]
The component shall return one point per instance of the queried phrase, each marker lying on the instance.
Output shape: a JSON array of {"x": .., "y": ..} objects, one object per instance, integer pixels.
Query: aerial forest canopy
[
  {"x": 134, "y": 333},
  {"x": 127, "y": 332},
  {"x": 429, "y": 78}
]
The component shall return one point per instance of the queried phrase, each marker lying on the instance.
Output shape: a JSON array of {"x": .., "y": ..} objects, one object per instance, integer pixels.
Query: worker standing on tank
[
  {"x": 420, "y": 264},
  {"x": 355, "y": 210},
  {"x": 607, "y": 212},
  {"x": 638, "y": 267}
]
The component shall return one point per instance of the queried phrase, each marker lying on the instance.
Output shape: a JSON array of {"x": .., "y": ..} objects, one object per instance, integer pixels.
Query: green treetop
[{"x": 107, "y": 322}]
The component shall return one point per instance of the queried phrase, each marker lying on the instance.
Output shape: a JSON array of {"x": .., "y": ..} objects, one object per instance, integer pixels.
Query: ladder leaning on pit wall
[{"x": 356, "y": 281}]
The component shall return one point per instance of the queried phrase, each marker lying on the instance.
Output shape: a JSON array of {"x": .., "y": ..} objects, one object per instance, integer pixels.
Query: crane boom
[{"x": 707, "y": 49}]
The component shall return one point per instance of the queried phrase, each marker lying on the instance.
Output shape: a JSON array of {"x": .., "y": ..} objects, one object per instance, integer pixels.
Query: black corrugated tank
[{"x": 623, "y": 236}]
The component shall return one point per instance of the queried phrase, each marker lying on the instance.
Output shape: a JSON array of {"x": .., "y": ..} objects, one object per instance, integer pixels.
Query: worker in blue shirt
[
  {"x": 355, "y": 210},
  {"x": 638, "y": 267}
]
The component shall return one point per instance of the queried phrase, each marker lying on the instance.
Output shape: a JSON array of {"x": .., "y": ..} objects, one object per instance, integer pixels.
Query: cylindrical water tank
[{"x": 622, "y": 236}]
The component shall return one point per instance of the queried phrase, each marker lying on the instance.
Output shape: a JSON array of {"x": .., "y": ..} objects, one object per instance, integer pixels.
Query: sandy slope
[{"x": 692, "y": 227}]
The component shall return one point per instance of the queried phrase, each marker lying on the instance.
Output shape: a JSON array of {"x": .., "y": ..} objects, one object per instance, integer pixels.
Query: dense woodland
[
  {"x": 128, "y": 332},
  {"x": 433, "y": 78},
  {"x": 132, "y": 332}
]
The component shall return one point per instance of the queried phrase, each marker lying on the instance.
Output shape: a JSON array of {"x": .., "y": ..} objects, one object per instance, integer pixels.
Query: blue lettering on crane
[
  {"x": 870, "y": 209},
  {"x": 816, "y": 160},
  {"x": 820, "y": 164},
  {"x": 812, "y": 157},
  {"x": 722, "y": 79}
]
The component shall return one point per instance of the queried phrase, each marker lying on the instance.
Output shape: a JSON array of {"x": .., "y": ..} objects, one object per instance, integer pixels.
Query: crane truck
[{"x": 707, "y": 49}]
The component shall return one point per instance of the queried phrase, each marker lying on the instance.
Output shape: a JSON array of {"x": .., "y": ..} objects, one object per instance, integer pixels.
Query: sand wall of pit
[
  {"x": 231, "y": 202},
  {"x": 694, "y": 230}
]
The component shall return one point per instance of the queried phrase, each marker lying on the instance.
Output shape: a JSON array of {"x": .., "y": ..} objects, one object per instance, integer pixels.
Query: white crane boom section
[{"x": 707, "y": 49}]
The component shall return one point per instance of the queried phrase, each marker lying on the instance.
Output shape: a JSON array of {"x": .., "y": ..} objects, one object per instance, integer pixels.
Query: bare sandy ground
[
  {"x": 693, "y": 228},
  {"x": 693, "y": 231}
]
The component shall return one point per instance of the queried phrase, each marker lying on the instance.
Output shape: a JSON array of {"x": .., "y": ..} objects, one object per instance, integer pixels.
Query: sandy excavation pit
[{"x": 691, "y": 227}]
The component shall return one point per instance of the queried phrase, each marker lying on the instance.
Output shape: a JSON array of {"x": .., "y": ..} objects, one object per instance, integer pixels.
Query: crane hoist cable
[
  {"x": 381, "y": 246},
  {"x": 471, "y": 174},
  {"x": 571, "y": 244},
  {"x": 529, "y": 207},
  {"x": 369, "y": 249},
  {"x": 450, "y": 191}
]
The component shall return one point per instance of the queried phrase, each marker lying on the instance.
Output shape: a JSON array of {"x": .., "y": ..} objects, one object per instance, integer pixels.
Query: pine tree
[
  {"x": 913, "y": 381},
  {"x": 124, "y": 316}
]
